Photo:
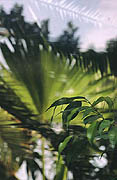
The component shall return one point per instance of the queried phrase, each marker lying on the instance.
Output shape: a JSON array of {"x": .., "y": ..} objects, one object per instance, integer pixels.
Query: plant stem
[{"x": 43, "y": 161}]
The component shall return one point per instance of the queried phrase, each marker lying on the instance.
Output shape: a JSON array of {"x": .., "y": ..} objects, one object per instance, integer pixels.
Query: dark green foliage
[
  {"x": 66, "y": 100},
  {"x": 20, "y": 127},
  {"x": 104, "y": 124},
  {"x": 10, "y": 102},
  {"x": 64, "y": 144},
  {"x": 112, "y": 55},
  {"x": 94, "y": 61},
  {"x": 92, "y": 131},
  {"x": 70, "y": 112},
  {"x": 89, "y": 119},
  {"x": 33, "y": 167},
  {"x": 101, "y": 131},
  {"x": 113, "y": 136},
  {"x": 90, "y": 116},
  {"x": 66, "y": 44},
  {"x": 107, "y": 99}
]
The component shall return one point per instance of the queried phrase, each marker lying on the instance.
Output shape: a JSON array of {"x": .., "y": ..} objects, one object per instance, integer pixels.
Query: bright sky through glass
[{"x": 96, "y": 19}]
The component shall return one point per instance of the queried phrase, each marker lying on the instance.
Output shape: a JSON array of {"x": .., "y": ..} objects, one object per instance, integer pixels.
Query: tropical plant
[
  {"x": 67, "y": 43},
  {"x": 90, "y": 115},
  {"x": 100, "y": 131},
  {"x": 34, "y": 80},
  {"x": 35, "y": 77}
]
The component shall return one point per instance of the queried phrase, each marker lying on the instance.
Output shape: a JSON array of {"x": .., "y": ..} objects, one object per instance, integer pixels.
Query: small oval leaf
[
  {"x": 113, "y": 136},
  {"x": 92, "y": 118},
  {"x": 92, "y": 131},
  {"x": 104, "y": 124},
  {"x": 66, "y": 100},
  {"x": 63, "y": 144},
  {"x": 107, "y": 99},
  {"x": 70, "y": 112},
  {"x": 87, "y": 111}
]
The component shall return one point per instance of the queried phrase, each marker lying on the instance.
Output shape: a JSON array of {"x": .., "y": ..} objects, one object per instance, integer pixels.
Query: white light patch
[{"x": 99, "y": 162}]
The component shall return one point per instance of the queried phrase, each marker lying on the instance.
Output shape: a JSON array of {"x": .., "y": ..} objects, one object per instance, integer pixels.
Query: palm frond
[
  {"x": 10, "y": 102},
  {"x": 14, "y": 142},
  {"x": 73, "y": 9},
  {"x": 41, "y": 76},
  {"x": 35, "y": 78}
]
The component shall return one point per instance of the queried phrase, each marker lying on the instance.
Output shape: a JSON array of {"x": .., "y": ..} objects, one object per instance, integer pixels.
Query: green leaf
[
  {"x": 64, "y": 144},
  {"x": 113, "y": 136},
  {"x": 70, "y": 112},
  {"x": 104, "y": 124},
  {"x": 92, "y": 118},
  {"x": 75, "y": 149},
  {"x": 92, "y": 131},
  {"x": 53, "y": 114},
  {"x": 83, "y": 108},
  {"x": 88, "y": 111},
  {"x": 104, "y": 135},
  {"x": 66, "y": 100},
  {"x": 107, "y": 99}
]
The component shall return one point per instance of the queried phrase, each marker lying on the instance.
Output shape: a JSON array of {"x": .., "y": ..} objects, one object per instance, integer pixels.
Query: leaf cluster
[{"x": 97, "y": 126}]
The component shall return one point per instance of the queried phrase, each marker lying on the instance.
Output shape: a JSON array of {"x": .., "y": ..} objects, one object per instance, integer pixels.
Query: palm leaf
[
  {"x": 12, "y": 103},
  {"x": 13, "y": 142},
  {"x": 73, "y": 9},
  {"x": 42, "y": 76},
  {"x": 35, "y": 78}
]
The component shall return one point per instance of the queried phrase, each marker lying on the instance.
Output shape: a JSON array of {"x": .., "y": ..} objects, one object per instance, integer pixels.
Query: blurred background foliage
[{"x": 37, "y": 72}]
